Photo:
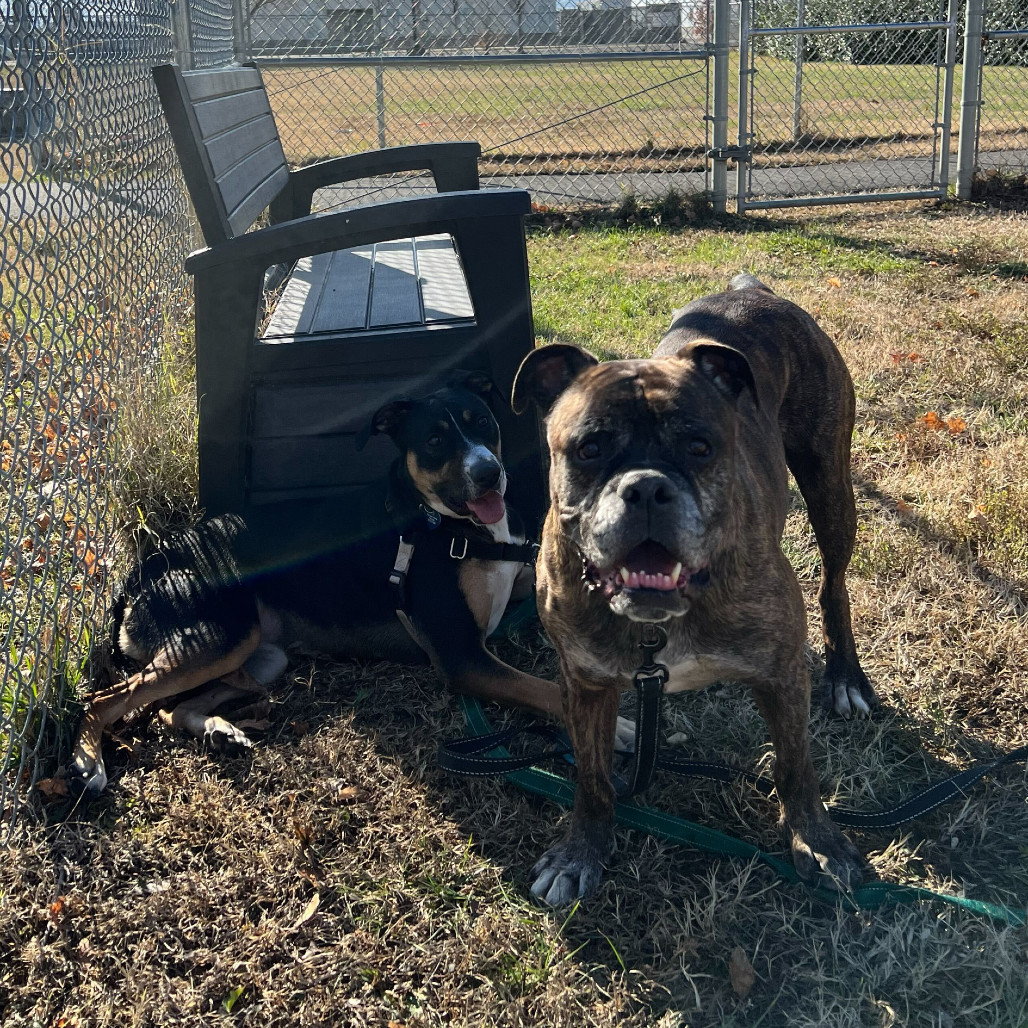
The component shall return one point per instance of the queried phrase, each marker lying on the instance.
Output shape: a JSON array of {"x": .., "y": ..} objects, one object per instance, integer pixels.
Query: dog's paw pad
[{"x": 221, "y": 736}]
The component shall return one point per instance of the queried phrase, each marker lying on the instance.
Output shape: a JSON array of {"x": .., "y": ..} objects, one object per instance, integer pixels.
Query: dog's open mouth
[
  {"x": 649, "y": 566},
  {"x": 488, "y": 508}
]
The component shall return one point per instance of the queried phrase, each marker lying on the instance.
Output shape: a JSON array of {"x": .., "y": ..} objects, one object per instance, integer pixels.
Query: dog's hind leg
[
  {"x": 166, "y": 674},
  {"x": 823, "y": 475},
  {"x": 196, "y": 716}
]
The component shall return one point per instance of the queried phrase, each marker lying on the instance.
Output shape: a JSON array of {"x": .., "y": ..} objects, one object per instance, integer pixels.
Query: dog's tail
[{"x": 744, "y": 280}]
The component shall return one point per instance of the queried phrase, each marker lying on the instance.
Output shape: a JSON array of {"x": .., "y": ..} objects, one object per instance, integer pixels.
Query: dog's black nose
[
  {"x": 485, "y": 474},
  {"x": 641, "y": 488}
]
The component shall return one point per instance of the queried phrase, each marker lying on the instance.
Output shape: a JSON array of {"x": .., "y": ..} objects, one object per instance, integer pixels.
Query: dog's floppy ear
[
  {"x": 545, "y": 373},
  {"x": 477, "y": 381},
  {"x": 726, "y": 367},
  {"x": 386, "y": 419}
]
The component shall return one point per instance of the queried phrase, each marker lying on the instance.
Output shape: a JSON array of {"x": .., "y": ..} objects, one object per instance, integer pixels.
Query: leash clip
[
  {"x": 463, "y": 553},
  {"x": 654, "y": 639}
]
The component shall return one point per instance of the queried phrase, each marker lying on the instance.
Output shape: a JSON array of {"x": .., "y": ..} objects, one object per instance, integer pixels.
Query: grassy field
[
  {"x": 643, "y": 114},
  {"x": 337, "y": 877}
]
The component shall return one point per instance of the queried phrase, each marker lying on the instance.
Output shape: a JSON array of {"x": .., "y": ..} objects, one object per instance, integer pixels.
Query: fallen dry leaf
[
  {"x": 741, "y": 972},
  {"x": 308, "y": 911},
  {"x": 835, "y": 283},
  {"x": 52, "y": 789}
]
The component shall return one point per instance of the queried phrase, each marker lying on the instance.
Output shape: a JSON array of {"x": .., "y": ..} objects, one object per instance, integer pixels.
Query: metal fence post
[
  {"x": 945, "y": 125},
  {"x": 240, "y": 31},
  {"x": 797, "y": 84},
  {"x": 181, "y": 34},
  {"x": 719, "y": 117},
  {"x": 970, "y": 97}
]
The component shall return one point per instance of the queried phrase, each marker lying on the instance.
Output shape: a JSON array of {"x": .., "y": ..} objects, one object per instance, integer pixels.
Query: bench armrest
[
  {"x": 454, "y": 167},
  {"x": 288, "y": 241}
]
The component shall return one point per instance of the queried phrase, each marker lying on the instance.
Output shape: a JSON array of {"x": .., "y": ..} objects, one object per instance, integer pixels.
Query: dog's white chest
[
  {"x": 692, "y": 673},
  {"x": 487, "y": 584}
]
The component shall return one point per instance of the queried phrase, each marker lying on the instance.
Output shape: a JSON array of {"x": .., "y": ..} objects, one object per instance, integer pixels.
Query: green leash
[{"x": 677, "y": 830}]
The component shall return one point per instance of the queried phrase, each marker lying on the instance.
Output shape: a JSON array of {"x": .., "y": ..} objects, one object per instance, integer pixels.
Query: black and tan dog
[
  {"x": 668, "y": 498},
  {"x": 206, "y": 608}
]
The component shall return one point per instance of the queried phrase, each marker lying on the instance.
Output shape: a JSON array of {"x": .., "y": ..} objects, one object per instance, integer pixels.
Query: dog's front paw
[
  {"x": 568, "y": 871},
  {"x": 85, "y": 776},
  {"x": 823, "y": 855},
  {"x": 847, "y": 691},
  {"x": 221, "y": 736}
]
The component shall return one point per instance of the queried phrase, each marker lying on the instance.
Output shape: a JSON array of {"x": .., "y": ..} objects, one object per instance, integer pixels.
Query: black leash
[
  {"x": 649, "y": 680},
  {"x": 469, "y": 755},
  {"x": 465, "y": 756}
]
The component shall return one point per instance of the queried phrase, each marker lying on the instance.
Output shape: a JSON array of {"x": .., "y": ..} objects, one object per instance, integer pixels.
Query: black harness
[{"x": 451, "y": 534}]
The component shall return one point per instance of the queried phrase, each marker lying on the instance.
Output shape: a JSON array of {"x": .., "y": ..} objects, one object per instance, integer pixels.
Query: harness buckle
[
  {"x": 398, "y": 576},
  {"x": 463, "y": 553}
]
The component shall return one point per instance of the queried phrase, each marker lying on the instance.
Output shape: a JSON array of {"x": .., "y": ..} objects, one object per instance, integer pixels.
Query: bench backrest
[{"x": 227, "y": 144}]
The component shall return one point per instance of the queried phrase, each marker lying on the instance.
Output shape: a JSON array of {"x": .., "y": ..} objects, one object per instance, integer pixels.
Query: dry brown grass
[{"x": 337, "y": 877}]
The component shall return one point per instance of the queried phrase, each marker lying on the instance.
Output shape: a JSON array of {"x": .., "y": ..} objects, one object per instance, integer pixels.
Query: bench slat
[
  {"x": 316, "y": 462},
  {"x": 228, "y": 112},
  {"x": 318, "y": 408},
  {"x": 343, "y": 303},
  {"x": 394, "y": 298},
  {"x": 205, "y": 85},
  {"x": 444, "y": 291},
  {"x": 264, "y": 168},
  {"x": 246, "y": 213},
  {"x": 228, "y": 149}
]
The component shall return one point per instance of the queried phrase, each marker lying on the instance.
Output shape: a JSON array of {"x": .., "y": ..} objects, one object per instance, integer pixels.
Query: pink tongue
[{"x": 488, "y": 508}]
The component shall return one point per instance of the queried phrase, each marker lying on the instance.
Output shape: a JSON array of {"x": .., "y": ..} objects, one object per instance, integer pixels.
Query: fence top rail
[
  {"x": 824, "y": 30},
  {"x": 1005, "y": 34},
  {"x": 375, "y": 61}
]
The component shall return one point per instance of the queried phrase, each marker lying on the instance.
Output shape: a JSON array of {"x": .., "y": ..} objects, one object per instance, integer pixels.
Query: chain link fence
[
  {"x": 94, "y": 225},
  {"x": 580, "y": 100}
]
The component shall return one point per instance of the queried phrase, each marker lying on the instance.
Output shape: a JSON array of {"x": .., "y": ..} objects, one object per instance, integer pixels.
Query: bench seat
[{"x": 400, "y": 282}]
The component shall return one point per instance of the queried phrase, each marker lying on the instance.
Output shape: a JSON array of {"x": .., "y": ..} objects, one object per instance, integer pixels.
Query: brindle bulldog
[{"x": 668, "y": 493}]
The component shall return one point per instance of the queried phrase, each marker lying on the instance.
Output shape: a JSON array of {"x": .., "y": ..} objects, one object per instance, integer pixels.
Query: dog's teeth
[
  {"x": 677, "y": 571},
  {"x": 624, "y": 572}
]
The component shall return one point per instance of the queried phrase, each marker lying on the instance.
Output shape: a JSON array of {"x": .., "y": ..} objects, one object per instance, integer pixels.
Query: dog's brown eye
[
  {"x": 698, "y": 447},
  {"x": 589, "y": 451},
  {"x": 483, "y": 422},
  {"x": 434, "y": 440}
]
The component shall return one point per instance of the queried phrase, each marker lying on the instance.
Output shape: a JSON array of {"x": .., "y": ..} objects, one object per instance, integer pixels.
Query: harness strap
[{"x": 461, "y": 548}]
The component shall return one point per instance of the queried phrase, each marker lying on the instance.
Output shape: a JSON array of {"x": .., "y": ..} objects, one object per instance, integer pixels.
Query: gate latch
[{"x": 730, "y": 153}]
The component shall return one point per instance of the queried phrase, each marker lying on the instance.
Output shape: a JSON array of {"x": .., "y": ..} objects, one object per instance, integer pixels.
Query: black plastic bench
[{"x": 379, "y": 300}]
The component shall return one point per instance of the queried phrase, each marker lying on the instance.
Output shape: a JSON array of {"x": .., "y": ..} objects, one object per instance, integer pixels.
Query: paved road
[{"x": 67, "y": 201}]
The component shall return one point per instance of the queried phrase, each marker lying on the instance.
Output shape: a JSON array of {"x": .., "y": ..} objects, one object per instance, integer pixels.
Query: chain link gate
[{"x": 836, "y": 112}]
